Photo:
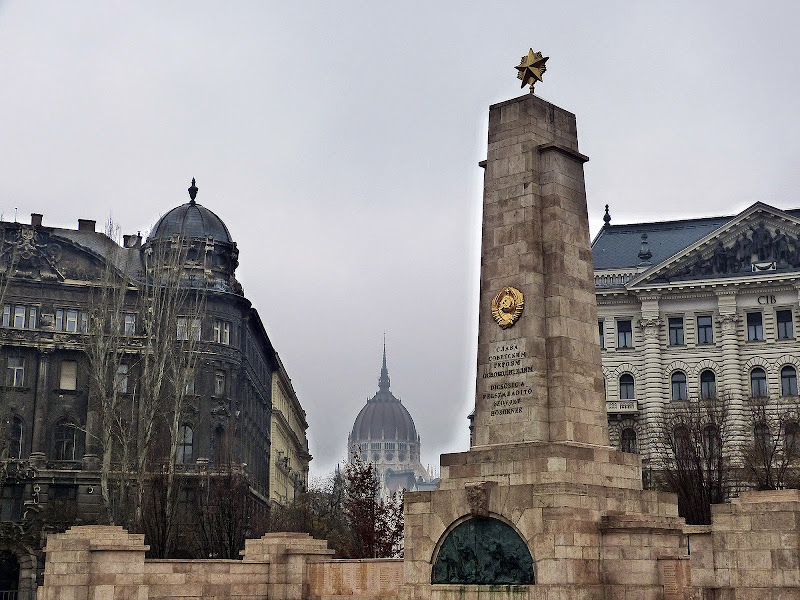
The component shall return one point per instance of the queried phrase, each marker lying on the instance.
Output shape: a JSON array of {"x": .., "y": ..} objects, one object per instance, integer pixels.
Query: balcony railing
[
  {"x": 621, "y": 407},
  {"x": 608, "y": 279}
]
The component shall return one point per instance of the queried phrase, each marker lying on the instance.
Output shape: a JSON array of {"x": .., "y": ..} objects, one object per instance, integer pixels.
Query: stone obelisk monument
[{"x": 540, "y": 500}]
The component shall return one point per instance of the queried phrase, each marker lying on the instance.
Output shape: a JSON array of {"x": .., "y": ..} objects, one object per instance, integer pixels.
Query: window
[
  {"x": 15, "y": 438},
  {"x": 188, "y": 329},
  {"x": 755, "y": 327},
  {"x": 762, "y": 438},
  {"x": 790, "y": 431},
  {"x": 758, "y": 382},
  {"x": 679, "y": 390},
  {"x": 16, "y": 315},
  {"x": 712, "y": 443},
  {"x": 705, "y": 330},
  {"x": 71, "y": 324},
  {"x": 15, "y": 371},
  {"x": 708, "y": 385},
  {"x": 788, "y": 381},
  {"x": 222, "y": 332},
  {"x": 184, "y": 452},
  {"x": 675, "y": 331},
  {"x": 375, "y": 446},
  {"x": 682, "y": 444},
  {"x": 71, "y": 321},
  {"x": 219, "y": 383},
  {"x": 121, "y": 380},
  {"x": 624, "y": 334},
  {"x": 11, "y": 502},
  {"x": 130, "y": 324},
  {"x": 785, "y": 324},
  {"x": 65, "y": 440},
  {"x": 628, "y": 440},
  {"x": 388, "y": 445},
  {"x": 69, "y": 375},
  {"x": 19, "y": 316},
  {"x": 626, "y": 390},
  {"x": 602, "y": 333}
]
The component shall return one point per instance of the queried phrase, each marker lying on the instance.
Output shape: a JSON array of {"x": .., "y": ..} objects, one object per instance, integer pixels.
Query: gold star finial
[{"x": 531, "y": 68}]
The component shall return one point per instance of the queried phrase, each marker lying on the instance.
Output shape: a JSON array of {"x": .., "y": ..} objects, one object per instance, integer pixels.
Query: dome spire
[
  {"x": 383, "y": 382},
  {"x": 192, "y": 192}
]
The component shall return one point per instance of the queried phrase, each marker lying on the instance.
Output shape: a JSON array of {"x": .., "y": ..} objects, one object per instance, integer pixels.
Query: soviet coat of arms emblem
[{"x": 507, "y": 306}]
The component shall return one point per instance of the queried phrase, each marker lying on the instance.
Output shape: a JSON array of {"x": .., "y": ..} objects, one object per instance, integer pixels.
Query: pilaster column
[
  {"x": 650, "y": 390},
  {"x": 40, "y": 407},
  {"x": 730, "y": 386}
]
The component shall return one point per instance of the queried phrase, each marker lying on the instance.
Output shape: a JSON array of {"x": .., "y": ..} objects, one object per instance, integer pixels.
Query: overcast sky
[{"x": 339, "y": 142}]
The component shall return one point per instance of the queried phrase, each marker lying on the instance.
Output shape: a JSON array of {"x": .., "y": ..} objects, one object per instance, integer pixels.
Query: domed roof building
[
  {"x": 385, "y": 435},
  {"x": 209, "y": 254}
]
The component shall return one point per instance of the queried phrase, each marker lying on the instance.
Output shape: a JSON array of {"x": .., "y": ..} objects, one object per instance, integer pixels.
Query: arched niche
[{"x": 483, "y": 551}]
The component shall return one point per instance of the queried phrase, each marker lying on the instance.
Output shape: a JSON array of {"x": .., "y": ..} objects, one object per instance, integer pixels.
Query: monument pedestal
[{"x": 541, "y": 507}]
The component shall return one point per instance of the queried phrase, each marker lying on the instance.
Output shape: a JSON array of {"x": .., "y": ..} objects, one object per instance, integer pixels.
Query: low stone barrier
[{"x": 108, "y": 563}]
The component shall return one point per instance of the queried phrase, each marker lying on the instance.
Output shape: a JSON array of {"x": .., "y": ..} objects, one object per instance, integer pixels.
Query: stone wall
[
  {"x": 107, "y": 563},
  {"x": 751, "y": 550}
]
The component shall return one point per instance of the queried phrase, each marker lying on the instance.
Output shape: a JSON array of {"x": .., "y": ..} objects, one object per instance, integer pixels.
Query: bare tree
[
  {"x": 320, "y": 512},
  {"x": 171, "y": 308},
  {"x": 109, "y": 341},
  {"x": 693, "y": 457},
  {"x": 771, "y": 457}
]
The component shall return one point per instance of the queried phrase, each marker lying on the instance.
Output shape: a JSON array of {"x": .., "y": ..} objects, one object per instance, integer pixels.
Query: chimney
[
  {"x": 86, "y": 225},
  {"x": 36, "y": 219},
  {"x": 132, "y": 241}
]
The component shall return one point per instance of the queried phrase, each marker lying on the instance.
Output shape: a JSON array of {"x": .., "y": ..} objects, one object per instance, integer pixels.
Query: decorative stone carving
[
  {"x": 29, "y": 253},
  {"x": 728, "y": 323},
  {"x": 650, "y": 327},
  {"x": 756, "y": 250},
  {"x": 483, "y": 551},
  {"x": 478, "y": 497}
]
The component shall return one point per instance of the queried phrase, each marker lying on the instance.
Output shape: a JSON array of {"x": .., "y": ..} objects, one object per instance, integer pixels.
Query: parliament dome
[
  {"x": 384, "y": 434},
  {"x": 191, "y": 220}
]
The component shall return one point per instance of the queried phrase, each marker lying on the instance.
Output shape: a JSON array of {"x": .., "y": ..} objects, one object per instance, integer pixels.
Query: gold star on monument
[{"x": 531, "y": 68}]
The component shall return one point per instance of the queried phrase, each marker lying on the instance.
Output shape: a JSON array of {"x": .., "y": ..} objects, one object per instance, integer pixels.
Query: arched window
[
  {"x": 708, "y": 385},
  {"x": 712, "y": 443},
  {"x": 628, "y": 440},
  {"x": 66, "y": 434},
  {"x": 626, "y": 390},
  {"x": 762, "y": 438},
  {"x": 788, "y": 381},
  {"x": 183, "y": 454},
  {"x": 681, "y": 442},
  {"x": 15, "y": 438},
  {"x": 758, "y": 382},
  {"x": 679, "y": 391},
  {"x": 790, "y": 438}
]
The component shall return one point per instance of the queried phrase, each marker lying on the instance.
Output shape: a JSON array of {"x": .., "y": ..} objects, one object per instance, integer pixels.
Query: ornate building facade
[
  {"x": 697, "y": 309},
  {"x": 385, "y": 435},
  {"x": 53, "y": 403},
  {"x": 290, "y": 456}
]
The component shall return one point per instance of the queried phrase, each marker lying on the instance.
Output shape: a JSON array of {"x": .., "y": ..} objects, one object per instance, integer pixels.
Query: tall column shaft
[
  {"x": 40, "y": 408},
  {"x": 539, "y": 379}
]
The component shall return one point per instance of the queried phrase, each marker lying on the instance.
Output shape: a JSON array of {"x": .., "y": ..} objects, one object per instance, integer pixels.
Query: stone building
[
  {"x": 385, "y": 435},
  {"x": 696, "y": 308},
  {"x": 288, "y": 466},
  {"x": 51, "y": 444}
]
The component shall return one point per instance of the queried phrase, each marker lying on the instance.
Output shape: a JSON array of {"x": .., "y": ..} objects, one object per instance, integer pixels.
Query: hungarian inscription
[{"x": 505, "y": 377}]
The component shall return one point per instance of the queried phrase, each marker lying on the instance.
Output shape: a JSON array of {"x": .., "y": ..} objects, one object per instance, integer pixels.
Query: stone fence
[{"x": 107, "y": 563}]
